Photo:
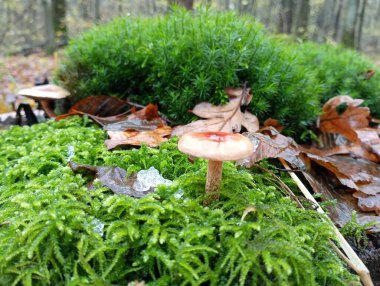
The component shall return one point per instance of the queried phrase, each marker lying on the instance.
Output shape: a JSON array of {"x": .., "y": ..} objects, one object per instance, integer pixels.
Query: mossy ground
[{"x": 56, "y": 231}]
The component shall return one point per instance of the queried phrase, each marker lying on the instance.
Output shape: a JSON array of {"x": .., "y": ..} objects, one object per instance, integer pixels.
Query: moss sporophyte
[{"x": 56, "y": 231}]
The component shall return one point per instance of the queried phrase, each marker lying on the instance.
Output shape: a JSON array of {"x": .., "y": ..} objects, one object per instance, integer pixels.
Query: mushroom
[
  {"x": 215, "y": 147},
  {"x": 45, "y": 95}
]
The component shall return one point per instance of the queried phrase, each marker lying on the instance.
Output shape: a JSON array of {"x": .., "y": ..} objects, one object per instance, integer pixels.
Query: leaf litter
[{"x": 348, "y": 146}]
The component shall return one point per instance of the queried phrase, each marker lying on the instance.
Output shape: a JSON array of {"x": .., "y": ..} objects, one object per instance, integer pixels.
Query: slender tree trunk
[
  {"x": 188, "y": 4},
  {"x": 49, "y": 28},
  {"x": 360, "y": 28},
  {"x": 227, "y": 4},
  {"x": 337, "y": 19},
  {"x": 350, "y": 22},
  {"x": 302, "y": 19},
  {"x": 286, "y": 16},
  {"x": 97, "y": 10},
  {"x": 59, "y": 21}
]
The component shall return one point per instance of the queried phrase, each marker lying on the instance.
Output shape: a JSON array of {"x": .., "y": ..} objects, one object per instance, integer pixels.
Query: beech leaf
[
  {"x": 151, "y": 138},
  {"x": 97, "y": 106},
  {"x": 334, "y": 120}
]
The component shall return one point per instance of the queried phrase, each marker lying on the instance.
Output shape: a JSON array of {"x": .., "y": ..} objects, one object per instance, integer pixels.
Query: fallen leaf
[
  {"x": 274, "y": 123},
  {"x": 224, "y": 118},
  {"x": 97, "y": 106},
  {"x": 151, "y": 138},
  {"x": 334, "y": 120},
  {"x": 269, "y": 143},
  {"x": 341, "y": 211},
  {"x": 368, "y": 74},
  {"x": 367, "y": 202}
]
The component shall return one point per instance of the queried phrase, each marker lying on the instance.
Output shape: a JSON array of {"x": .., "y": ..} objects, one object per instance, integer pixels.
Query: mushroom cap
[
  {"x": 216, "y": 146},
  {"x": 46, "y": 91}
]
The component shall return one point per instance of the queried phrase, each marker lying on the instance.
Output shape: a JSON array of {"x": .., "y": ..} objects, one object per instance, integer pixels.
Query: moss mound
[
  {"x": 181, "y": 59},
  {"x": 342, "y": 71},
  {"x": 56, "y": 231}
]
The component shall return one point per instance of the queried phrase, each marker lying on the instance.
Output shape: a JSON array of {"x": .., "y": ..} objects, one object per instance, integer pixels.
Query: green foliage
[
  {"x": 342, "y": 72},
  {"x": 356, "y": 231},
  {"x": 183, "y": 58},
  {"x": 56, "y": 231}
]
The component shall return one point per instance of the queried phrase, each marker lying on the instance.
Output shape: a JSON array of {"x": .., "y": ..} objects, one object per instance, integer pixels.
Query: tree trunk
[
  {"x": 337, "y": 19},
  {"x": 302, "y": 19},
  {"x": 350, "y": 21},
  {"x": 188, "y": 4},
  {"x": 286, "y": 16},
  {"x": 49, "y": 27},
  {"x": 59, "y": 21},
  {"x": 97, "y": 11},
  {"x": 360, "y": 28}
]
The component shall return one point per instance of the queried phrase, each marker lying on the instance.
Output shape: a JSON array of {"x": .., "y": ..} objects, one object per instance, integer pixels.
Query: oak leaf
[{"x": 224, "y": 118}]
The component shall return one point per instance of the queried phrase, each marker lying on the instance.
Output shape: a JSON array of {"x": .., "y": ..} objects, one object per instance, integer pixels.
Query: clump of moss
[
  {"x": 182, "y": 58},
  {"x": 342, "y": 72},
  {"x": 56, "y": 231}
]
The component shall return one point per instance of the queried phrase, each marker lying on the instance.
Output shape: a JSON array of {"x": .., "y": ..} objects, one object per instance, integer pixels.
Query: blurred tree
[{"x": 188, "y": 4}]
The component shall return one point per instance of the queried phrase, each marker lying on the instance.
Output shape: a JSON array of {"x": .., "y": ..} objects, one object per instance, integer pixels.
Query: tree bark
[
  {"x": 302, "y": 22},
  {"x": 188, "y": 4},
  {"x": 337, "y": 19},
  {"x": 59, "y": 21},
  {"x": 97, "y": 10},
  {"x": 350, "y": 22},
  {"x": 286, "y": 16},
  {"x": 360, "y": 28},
  {"x": 49, "y": 26}
]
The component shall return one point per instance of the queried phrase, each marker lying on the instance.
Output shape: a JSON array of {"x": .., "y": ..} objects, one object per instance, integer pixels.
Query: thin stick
[
  {"x": 356, "y": 263},
  {"x": 282, "y": 184}
]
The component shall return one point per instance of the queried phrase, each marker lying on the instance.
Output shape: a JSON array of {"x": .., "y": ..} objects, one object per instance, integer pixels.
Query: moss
[
  {"x": 56, "y": 231},
  {"x": 183, "y": 58}
]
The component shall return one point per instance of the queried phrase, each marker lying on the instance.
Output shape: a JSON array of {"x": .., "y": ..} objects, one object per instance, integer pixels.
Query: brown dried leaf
[
  {"x": 269, "y": 143},
  {"x": 114, "y": 178},
  {"x": 331, "y": 121},
  {"x": 274, "y": 123},
  {"x": 250, "y": 122},
  {"x": 97, "y": 106},
  {"x": 152, "y": 138},
  {"x": 224, "y": 118},
  {"x": 341, "y": 211},
  {"x": 360, "y": 175},
  {"x": 368, "y": 203}
]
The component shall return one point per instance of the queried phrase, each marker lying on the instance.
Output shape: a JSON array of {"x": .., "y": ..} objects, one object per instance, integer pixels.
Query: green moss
[
  {"x": 183, "y": 58},
  {"x": 342, "y": 72},
  {"x": 51, "y": 232}
]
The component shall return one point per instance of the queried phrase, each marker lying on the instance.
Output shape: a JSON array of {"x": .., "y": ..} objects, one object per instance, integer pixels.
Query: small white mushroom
[{"x": 215, "y": 147}]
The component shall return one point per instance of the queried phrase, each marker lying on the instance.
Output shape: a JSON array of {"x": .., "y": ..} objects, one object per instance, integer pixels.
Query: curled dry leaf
[
  {"x": 269, "y": 143},
  {"x": 97, "y": 107},
  {"x": 368, "y": 203},
  {"x": 341, "y": 211},
  {"x": 341, "y": 114},
  {"x": 345, "y": 130},
  {"x": 274, "y": 123},
  {"x": 151, "y": 138},
  {"x": 224, "y": 118}
]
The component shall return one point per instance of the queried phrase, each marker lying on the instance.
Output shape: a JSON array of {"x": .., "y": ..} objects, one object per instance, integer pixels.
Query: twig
[
  {"x": 355, "y": 262},
  {"x": 282, "y": 184}
]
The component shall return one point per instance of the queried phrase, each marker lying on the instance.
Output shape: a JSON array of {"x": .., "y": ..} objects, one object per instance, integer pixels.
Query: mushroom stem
[{"x": 214, "y": 176}]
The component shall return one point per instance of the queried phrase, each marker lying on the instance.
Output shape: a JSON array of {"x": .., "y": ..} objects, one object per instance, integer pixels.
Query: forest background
[{"x": 30, "y": 25}]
